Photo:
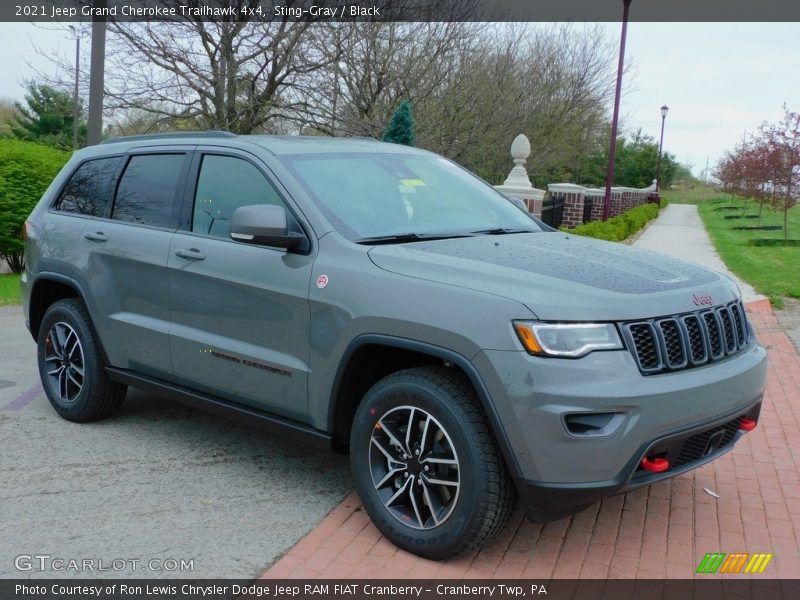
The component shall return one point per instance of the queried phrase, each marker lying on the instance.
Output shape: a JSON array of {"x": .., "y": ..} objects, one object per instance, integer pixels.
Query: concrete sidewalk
[{"x": 679, "y": 232}]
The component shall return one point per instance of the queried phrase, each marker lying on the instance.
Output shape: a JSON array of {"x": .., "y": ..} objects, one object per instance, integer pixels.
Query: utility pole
[
  {"x": 76, "y": 111},
  {"x": 97, "y": 75},
  {"x": 612, "y": 151}
]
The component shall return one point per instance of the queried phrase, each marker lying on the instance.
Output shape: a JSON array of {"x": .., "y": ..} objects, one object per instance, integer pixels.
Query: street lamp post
[
  {"x": 612, "y": 151},
  {"x": 664, "y": 110}
]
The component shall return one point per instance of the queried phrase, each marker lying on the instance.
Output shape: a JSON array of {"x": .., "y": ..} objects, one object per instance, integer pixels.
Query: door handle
[
  {"x": 98, "y": 236},
  {"x": 190, "y": 254}
]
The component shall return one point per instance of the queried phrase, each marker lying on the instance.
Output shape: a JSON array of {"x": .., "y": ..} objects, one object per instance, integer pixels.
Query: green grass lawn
[
  {"x": 9, "y": 289},
  {"x": 773, "y": 270},
  {"x": 696, "y": 195}
]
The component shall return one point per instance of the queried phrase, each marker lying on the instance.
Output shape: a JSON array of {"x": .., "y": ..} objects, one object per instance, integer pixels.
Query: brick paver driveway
[{"x": 660, "y": 531}]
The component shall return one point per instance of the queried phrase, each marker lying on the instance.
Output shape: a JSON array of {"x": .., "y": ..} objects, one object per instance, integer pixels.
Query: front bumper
[
  {"x": 559, "y": 471},
  {"x": 686, "y": 450}
]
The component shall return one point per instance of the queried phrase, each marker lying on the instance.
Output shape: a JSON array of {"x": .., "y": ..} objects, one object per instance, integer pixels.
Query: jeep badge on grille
[{"x": 702, "y": 300}]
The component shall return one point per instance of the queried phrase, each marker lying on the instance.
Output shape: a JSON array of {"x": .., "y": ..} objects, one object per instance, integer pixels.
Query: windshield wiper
[
  {"x": 403, "y": 238},
  {"x": 502, "y": 231}
]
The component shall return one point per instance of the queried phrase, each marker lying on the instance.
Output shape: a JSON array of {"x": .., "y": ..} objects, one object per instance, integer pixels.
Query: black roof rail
[{"x": 167, "y": 136}]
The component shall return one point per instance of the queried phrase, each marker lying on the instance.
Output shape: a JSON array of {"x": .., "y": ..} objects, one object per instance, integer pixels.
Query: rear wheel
[
  {"x": 71, "y": 365},
  {"x": 426, "y": 465}
]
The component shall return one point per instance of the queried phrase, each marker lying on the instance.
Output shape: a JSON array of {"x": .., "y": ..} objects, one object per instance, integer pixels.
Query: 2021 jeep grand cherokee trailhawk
[{"x": 380, "y": 298}]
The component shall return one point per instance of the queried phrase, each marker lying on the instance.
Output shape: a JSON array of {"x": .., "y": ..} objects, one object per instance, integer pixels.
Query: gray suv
[{"x": 381, "y": 300}]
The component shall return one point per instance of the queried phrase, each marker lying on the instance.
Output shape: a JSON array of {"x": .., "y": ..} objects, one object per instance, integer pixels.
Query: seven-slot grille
[{"x": 687, "y": 340}]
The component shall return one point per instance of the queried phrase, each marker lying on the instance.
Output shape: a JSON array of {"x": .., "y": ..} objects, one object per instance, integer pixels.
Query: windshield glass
[{"x": 376, "y": 195}]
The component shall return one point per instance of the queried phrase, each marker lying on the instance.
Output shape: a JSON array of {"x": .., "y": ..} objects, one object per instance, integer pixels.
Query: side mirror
[{"x": 264, "y": 225}]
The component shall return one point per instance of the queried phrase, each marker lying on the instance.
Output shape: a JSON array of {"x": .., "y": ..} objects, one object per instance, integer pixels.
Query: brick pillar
[
  {"x": 616, "y": 203},
  {"x": 573, "y": 196},
  {"x": 596, "y": 198},
  {"x": 597, "y": 208},
  {"x": 573, "y": 209},
  {"x": 627, "y": 200},
  {"x": 534, "y": 206},
  {"x": 530, "y": 196}
]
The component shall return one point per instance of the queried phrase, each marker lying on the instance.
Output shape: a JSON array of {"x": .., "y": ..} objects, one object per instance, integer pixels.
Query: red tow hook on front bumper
[
  {"x": 747, "y": 424},
  {"x": 655, "y": 465}
]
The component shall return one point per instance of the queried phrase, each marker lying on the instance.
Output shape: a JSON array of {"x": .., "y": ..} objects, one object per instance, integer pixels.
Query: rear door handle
[
  {"x": 98, "y": 236},
  {"x": 190, "y": 254}
]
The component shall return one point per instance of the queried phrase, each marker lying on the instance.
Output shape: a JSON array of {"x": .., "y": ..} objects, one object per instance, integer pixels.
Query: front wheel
[{"x": 426, "y": 466}]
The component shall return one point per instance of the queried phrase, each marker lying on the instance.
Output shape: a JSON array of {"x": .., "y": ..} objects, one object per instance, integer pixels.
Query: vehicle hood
[{"x": 560, "y": 276}]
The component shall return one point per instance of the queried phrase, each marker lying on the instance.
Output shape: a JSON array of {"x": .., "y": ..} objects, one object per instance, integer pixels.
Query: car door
[
  {"x": 240, "y": 312},
  {"x": 127, "y": 265}
]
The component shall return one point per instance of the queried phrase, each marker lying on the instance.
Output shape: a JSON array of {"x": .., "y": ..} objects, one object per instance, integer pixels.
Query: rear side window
[
  {"x": 88, "y": 191},
  {"x": 146, "y": 191}
]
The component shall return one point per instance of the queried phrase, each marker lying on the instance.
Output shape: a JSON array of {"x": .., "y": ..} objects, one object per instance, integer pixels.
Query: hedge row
[
  {"x": 26, "y": 169},
  {"x": 620, "y": 227}
]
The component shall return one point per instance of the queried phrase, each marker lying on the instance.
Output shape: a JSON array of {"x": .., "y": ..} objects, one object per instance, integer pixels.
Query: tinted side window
[
  {"x": 88, "y": 191},
  {"x": 146, "y": 192},
  {"x": 225, "y": 183}
]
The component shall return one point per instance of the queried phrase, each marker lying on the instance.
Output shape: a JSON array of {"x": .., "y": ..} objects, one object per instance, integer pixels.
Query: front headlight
[{"x": 568, "y": 340}]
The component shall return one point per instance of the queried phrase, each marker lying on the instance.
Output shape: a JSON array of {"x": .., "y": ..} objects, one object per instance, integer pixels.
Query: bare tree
[
  {"x": 218, "y": 73},
  {"x": 371, "y": 67},
  {"x": 225, "y": 74},
  {"x": 473, "y": 86}
]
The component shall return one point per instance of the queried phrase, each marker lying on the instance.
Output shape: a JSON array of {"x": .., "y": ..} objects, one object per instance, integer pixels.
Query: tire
[
  {"x": 66, "y": 331},
  {"x": 398, "y": 487}
]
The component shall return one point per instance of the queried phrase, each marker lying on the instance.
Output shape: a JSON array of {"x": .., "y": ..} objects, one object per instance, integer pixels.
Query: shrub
[
  {"x": 26, "y": 169},
  {"x": 620, "y": 227}
]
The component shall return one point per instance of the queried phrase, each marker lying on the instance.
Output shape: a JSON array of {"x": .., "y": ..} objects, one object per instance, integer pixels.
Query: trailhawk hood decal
[{"x": 561, "y": 276}]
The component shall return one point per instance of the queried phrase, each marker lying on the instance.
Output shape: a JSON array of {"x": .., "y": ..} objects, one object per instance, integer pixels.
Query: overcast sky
[{"x": 718, "y": 79}]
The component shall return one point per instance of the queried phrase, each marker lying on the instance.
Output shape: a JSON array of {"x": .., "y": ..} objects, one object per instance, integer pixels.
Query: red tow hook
[
  {"x": 747, "y": 425},
  {"x": 655, "y": 465}
]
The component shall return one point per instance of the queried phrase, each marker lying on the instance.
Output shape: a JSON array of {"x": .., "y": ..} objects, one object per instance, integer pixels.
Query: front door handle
[
  {"x": 98, "y": 236},
  {"x": 190, "y": 254}
]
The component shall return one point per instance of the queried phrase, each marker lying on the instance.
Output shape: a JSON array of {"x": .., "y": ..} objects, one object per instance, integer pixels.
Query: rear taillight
[{"x": 26, "y": 228}]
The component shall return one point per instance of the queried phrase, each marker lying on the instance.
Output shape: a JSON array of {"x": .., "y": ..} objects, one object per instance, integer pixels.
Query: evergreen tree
[
  {"x": 401, "y": 127},
  {"x": 48, "y": 118}
]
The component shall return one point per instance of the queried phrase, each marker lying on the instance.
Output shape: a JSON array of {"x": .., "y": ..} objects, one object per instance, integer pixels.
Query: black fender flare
[
  {"x": 446, "y": 355},
  {"x": 59, "y": 278}
]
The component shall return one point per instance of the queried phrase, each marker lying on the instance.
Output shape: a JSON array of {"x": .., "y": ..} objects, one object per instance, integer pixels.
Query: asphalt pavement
[{"x": 163, "y": 490}]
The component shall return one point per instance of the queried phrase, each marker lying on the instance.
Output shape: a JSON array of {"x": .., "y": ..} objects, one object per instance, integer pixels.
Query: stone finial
[{"x": 520, "y": 151}]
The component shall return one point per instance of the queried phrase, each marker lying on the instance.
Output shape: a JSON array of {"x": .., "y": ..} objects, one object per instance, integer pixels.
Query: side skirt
[{"x": 281, "y": 426}]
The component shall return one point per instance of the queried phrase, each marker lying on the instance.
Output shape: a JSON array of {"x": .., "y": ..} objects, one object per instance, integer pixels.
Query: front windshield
[{"x": 377, "y": 195}]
